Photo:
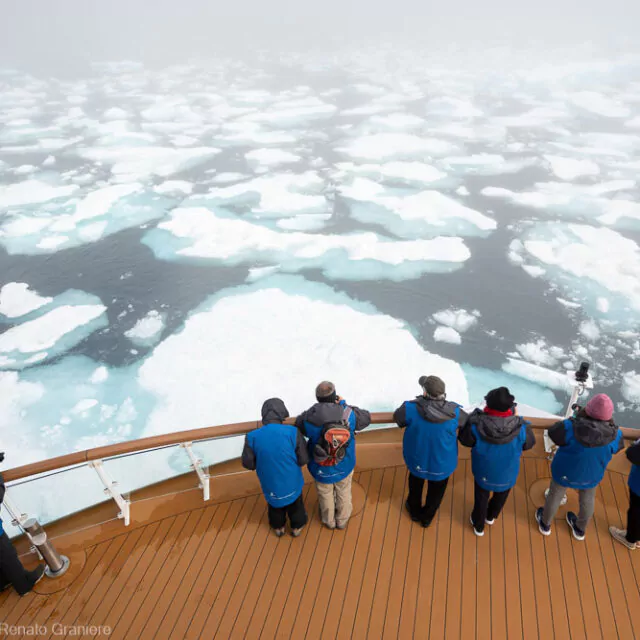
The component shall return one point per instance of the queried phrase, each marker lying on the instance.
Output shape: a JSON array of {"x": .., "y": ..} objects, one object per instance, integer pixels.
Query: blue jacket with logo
[
  {"x": 633, "y": 453},
  {"x": 586, "y": 447},
  {"x": 430, "y": 443},
  {"x": 276, "y": 452},
  {"x": 497, "y": 444},
  {"x": 310, "y": 423}
]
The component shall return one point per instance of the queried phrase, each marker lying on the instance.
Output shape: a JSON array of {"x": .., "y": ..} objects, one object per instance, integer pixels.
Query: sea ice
[
  {"x": 58, "y": 328},
  {"x": 16, "y": 300},
  {"x": 631, "y": 386},
  {"x": 270, "y": 157},
  {"x": 387, "y": 146},
  {"x": 599, "y": 104},
  {"x": 447, "y": 334},
  {"x": 396, "y": 122},
  {"x": 147, "y": 330},
  {"x": 200, "y": 235},
  {"x": 228, "y": 330},
  {"x": 403, "y": 173},
  {"x": 174, "y": 187},
  {"x": 487, "y": 164},
  {"x": 458, "y": 319},
  {"x": 32, "y": 192},
  {"x": 537, "y": 374},
  {"x": 571, "y": 168}
]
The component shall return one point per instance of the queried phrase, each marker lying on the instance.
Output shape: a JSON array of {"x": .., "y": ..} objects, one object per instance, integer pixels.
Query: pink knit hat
[{"x": 600, "y": 407}]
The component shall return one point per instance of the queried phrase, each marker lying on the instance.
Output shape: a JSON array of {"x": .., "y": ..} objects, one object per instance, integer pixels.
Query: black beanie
[{"x": 499, "y": 399}]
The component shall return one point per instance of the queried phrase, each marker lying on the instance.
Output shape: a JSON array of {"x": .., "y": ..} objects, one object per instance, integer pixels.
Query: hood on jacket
[
  {"x": 594, "y": 433},
  {"x": 323, "y": 412},
  {"x": 495, "y": 429},
  {"x": 435, "y": 410},
  {"x": 274, "y": 410}
]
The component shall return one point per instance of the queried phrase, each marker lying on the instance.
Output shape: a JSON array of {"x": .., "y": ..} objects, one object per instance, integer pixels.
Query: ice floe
[
  {"x": 487, "y": 164},
  {"x": 400, "y": 173},
  {"x": 631, "y": 387},
  {"x": 271, "y": 157},
  {"x": 208, "y": 357},
  {"x": 447, "y": 334},
  {"x": 16, "y": 300},
  {"x": 426, "y": 213},
  {"x": 147, "y": 330},
  {"x": 174, "y": 187},
  {"x": 387, "y": 146},
  {"x": 599, "y": 104},
  {"x": 571, "y": 168},
  {"x": 66, "y": 322},
  {"x": 589, "y": 263},
  {"x": 32, "y": 192},
  {"x": 458, "y": 319},
  {"x": 200, "y": 235}
]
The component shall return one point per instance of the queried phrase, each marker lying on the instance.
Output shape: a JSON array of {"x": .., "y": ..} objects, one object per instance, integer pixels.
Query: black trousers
[
  {"x": 633, "y": 518},
  {"x": 296, "y": 512},
  {"x": 485, "y": 508},
  {"x": 11, "y": 569},
  {"x": 435, "y": 493}
]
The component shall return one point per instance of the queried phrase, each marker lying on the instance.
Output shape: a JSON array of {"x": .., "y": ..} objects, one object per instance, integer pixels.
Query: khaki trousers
[{"x": 335, "y": 502}]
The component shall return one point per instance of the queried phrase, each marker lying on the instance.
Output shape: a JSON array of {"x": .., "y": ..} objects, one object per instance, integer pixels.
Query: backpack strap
[{"x": 346, "y": 414}]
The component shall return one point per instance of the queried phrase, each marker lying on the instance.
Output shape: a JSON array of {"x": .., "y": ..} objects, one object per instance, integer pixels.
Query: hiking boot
[
  {"x": 478, "y": 533},
  {"x": 620, "y": 535},
  {"x": 545, "y": 529},
  {"x": 279, "y": 532},
  {"x": 296, "y": 532},
  {"x": 572, "y": 520},
  {"x": 413, "y": 517}
]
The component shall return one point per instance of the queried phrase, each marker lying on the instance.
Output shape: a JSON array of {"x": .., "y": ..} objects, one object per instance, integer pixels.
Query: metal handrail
[{"x": 195, "y": 435}]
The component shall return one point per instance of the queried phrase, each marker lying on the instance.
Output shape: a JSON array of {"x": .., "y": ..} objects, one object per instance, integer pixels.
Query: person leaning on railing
[
  {"x": 330, "y": 425},
  {"x": 586, "y": 443},
  {"x": 12, "y": 573},
  {"x": 630, "y": 537},
  {"x": 276, "y": 451},
  {"x": 429, "y": 445}
]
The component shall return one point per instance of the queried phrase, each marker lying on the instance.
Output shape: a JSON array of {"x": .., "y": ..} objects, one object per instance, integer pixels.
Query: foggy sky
[{"x": 55, "y": 33}]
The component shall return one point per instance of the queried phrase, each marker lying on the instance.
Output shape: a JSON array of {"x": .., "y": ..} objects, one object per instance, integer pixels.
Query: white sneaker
[
  {"x": 489, "y": 522},
  {"x": 478, "y": 533},
  {"x": 620, "y": 535}
]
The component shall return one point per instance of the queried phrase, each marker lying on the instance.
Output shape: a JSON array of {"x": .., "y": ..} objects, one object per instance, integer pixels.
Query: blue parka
[
  {"x": 310, "y": 423},
  {"x": 430, "y": 443},
  {"x": 276, "y": 452},
  {"x": 586, "y": 447},
  {"x": 497, "y": 444}
]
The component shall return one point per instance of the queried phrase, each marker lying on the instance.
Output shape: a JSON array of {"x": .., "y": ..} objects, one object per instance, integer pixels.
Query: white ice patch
[
  {"x": 197, "y": 235},
  {"x": 270, "y": 157},
  {"x": 458, "y": 319},
  {"x": 540, "y": 353},
  {"x": 403, "y": 173},
  {"x": 387, "y": 146},
  {"x": 32, "y": 192},
  {"x": 174, "y": 187},
  {"x": 147, "y": 330},
  {"x": 631, "y": 387},
  {"x": 208, "y": 357},
  {"x": 447, "y": 334},
  {"x": 590, "y": 330},
  {"x": 487, "y": 164},
  {"x": 426, "y": 213},
  {"x": 139, "y": 163},
  {"x": 16, "y": 300},
  {"x": 53, "y": 332},
  {"x": 450, "y": 106},
  {"x": 571, "y": 168},
  {"x": 599, "y": 104},
  {"x": 588, "y": 262},
  {"x": 537, "y": 374},
  {"x": 292, "y": 113},
  {"x": 396, "y": 122}
]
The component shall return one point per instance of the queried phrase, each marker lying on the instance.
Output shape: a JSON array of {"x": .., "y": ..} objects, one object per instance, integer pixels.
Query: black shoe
[
  {"x": 4, "y": 587},
  {"x": 413, "y": 517},
  {"x": 34, "y": 577},
  {"x": 572, "y": 520},
  {"x": 426, "y": 523}
]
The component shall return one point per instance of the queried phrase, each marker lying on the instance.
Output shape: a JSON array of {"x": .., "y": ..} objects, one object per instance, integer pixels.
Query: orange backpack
[{"x": 333, "y": 442}]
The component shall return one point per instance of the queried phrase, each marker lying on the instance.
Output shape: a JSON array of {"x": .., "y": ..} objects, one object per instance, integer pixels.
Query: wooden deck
[{"x": 218, "y": 572}]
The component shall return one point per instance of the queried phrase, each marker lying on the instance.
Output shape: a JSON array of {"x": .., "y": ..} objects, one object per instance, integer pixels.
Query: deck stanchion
[
  {"x": 57, "y": 564},
  {"x": 110, "y": 490},
  {"x": 196, "y": 465}
]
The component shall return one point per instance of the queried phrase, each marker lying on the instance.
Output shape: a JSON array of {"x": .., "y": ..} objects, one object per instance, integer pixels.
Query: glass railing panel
[
  {"x": 55, "y": 495},
  {"x": 137, "y": 470},
  {"x": 218, "y": 450}
]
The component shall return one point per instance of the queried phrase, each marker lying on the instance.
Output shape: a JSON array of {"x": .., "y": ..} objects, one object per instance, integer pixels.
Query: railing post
[
  {"x": 196, "y": 465},
  {"x": 57, "y": 564},
  {"x": 110, "y": 490}
]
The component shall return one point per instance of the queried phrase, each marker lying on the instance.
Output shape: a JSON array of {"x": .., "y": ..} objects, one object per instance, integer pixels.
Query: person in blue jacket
[
  {"x": 630, "y": 537},
  {"x": 429, "y": 446},
  {"x": 334, "y": 474},
  {"x": 12, "y": 573},
  {"x": 498, "y": 436},
  {"x": 586, "y": 443},
  {"x": 277, "y": 452}
]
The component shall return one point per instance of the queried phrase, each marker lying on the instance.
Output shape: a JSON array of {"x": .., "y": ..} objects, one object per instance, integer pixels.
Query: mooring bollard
[{"x": 57, "y": 564}]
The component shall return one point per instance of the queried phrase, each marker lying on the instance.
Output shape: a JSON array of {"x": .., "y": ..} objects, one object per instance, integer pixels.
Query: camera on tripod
[{"x": 582, "y": 374}]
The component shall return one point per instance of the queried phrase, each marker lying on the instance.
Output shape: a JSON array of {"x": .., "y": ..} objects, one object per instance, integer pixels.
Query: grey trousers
[{"x": 587, "y": 498}]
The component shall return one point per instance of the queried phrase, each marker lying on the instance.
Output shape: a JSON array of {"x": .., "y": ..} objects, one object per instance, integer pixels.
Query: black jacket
[
  {"x": 323, "y": 412},
  {"x": 435, "y": 411},
  {"x": 494, "y": 429},
  {"x": 633, "y": 453},
  {"x": 587, "y": 431}
]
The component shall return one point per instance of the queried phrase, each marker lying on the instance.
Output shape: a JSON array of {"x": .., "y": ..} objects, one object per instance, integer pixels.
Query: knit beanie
[
  {"x": 600, "y": 407},
  {"x": 433, "y": 386},
  {"x": 499, "y": 399}
]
